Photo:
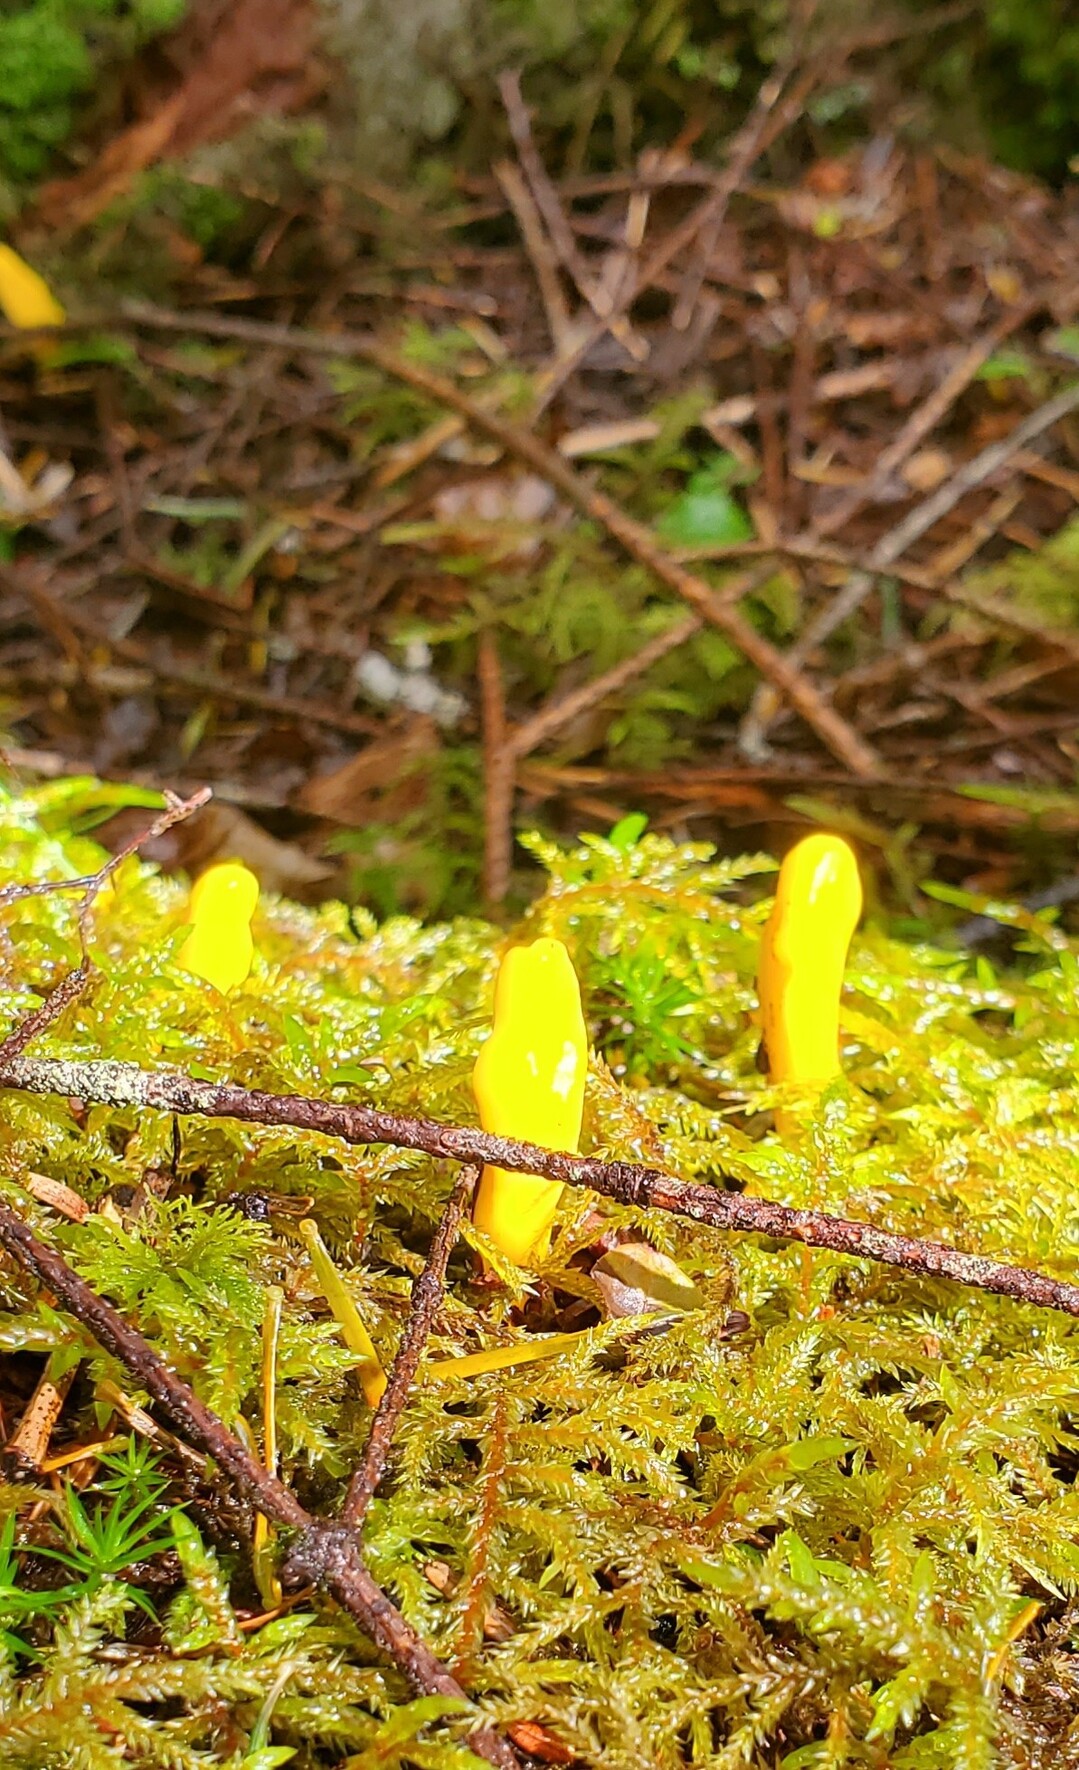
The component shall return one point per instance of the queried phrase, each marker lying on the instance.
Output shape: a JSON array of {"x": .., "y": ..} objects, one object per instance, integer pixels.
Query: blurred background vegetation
[{"x": 608, "y": 76}]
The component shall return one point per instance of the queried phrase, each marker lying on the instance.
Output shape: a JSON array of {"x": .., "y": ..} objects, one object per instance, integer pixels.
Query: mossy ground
[{"x": 849, "y": 1534}]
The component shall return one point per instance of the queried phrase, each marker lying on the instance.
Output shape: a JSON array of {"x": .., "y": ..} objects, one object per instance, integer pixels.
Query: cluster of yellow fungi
[{"x": 529, "y": 1079}]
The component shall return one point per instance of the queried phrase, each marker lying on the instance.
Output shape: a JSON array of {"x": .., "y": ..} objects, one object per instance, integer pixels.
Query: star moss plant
[{"x": 828, "y": 1517}]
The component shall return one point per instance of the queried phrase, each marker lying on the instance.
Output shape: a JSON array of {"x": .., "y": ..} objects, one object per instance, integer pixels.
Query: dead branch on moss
[
  {"x": 326, "y": 1553},
  {"x": 126, "y": 1085},
  {"x": 426, "y": 1297}
]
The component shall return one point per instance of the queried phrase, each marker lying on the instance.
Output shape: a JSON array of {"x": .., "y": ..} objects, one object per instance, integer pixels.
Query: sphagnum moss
[{"x": 850, "y": 1535}]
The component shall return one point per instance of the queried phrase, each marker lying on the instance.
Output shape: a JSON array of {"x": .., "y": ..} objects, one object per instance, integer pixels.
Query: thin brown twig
[
  {"x": 544, "y": 194},
  {"x": 970, "y": 476},
  {"x": 424, "y": 1304},
  {"x": 323, "y": 1553},
  {"x": 592, "y": 289},
  {"x": 61, "y": 996},
  {"x": 541, "y": 256},
  {"x": 470, "y": 1628},
  {"x": 72, "y": 985},
  {"x": 935, "y": 582},
  {"x": 764, "y": 788},
  {"x": 499, "y": 759},
  {"x": 504, "y": 747},
  {"x": 768, "y": 120},
  {"x": 634, "y": 537},
  {"x": 772, "y": 113},
  {"x": 175, "y": 812},
  {"x": 557, "y": 714},
  {"x": 925, "y": 419},
  {"x": 125, "y": 1085},
  {"x": 211, "y": 683}
]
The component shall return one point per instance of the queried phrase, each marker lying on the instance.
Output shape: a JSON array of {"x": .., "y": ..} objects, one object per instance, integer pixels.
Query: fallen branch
[{"x": 126, "y": 1085}]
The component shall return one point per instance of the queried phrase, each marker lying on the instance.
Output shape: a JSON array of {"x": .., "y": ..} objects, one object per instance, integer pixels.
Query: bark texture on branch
[{"x": 126, "y": 1085}]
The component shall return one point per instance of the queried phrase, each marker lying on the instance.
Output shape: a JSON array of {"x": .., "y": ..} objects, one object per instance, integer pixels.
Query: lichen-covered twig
[
  {"x": 124, "y": 1084},
  {"x": 89, "y": 884},
  {"x": 326, "y": 1553},
  {"x": 426, "y": 1297}
]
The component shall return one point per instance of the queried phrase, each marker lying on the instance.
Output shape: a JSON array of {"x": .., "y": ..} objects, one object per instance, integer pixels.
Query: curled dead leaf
[
  {"x": 380, "y": 782},
  {"x": 636, "y": 1279},
  {"x": 539, "y": 1742}
]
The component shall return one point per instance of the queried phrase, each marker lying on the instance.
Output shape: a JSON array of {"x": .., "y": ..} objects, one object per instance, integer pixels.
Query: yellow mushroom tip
[
  {"x": 819, "y": 877},
  {"x": 543, "y": 968},
  {"x": 25, "y": 297},
  {"x": 226, "y": 889},
  {"x": 219, "y": 947},
  {"x": 803, "y": 954}
]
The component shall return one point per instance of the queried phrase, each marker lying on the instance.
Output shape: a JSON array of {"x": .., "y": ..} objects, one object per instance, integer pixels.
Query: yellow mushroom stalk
[
  {"x": 529, "y": 1084},
  {"x": 803, "y": 956},
  {"x": 219, "y": 947},
  {"x": 26, "y": 300}
]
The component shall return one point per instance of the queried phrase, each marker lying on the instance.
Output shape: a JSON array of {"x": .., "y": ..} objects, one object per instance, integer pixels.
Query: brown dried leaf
[
  {"x": 255, "y": 55},
  {"x": 389, "y": 768},
  {"x": 61, "y": 1198},
  {"x": 926, "y": 470},
  {"x": 223, "y": 832},
  {"x": 539, "y": 1742},
  {"x": 635, "y": 1279}
]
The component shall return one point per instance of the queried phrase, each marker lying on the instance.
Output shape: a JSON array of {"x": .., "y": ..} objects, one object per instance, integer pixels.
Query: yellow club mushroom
[
  {"x": 803, "y": 956},
  {"x": 26, "y": 300},
  {"x": 219, "y": 947},
  {"x": 529, "y": 1084}
]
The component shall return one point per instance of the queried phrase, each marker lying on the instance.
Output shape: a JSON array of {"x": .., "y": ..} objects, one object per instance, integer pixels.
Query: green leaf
[
  {"x": 808, "y": 1452},
  {"x": 92, "y": 347},
  {"x": 196, "y": 511},
  {"x": 1006, "y": 365},
  {"x": 705, "y": 515},
  {"x": 627, "y": 832}
]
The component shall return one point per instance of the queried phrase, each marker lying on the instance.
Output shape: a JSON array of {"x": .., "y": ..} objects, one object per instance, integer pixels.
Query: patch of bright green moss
[
  {"x": 807, "y": 1545},
  {"x": 49, "y": 53}
]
